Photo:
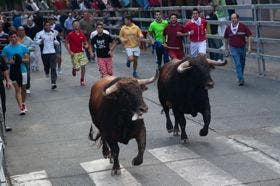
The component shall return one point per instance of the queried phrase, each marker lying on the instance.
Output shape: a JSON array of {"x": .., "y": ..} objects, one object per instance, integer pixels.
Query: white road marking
[
  {"x": 38, "y": 178},
  {"x": 193, "y": 169},
  {"x": 173, "y": 153},
  {"x": 100, "y": 172},
  {"x": 234, "y": 144},
  {"x": 273, "y": 130},
  {"x": 260, "y": 157}
]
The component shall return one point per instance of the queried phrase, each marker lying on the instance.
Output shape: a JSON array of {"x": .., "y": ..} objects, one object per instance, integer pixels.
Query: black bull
[
  {"x": 116, "y": 106},
  {"x": 183, "y": 86}
]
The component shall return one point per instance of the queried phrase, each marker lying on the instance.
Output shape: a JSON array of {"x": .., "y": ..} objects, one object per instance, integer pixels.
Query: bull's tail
[{"x": 90, "y": 135}]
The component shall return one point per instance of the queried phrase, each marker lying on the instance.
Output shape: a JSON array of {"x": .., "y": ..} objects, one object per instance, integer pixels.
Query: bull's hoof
[
  {"x": 184, "y": 136},
  {"x": 169, "y": 130},
  {"x": 203, "y": 132},
  {"x": 106, "y": 154},
  {"x": 137, "y": 161},
  {"x": 169, "y": 127},
  {"x": 176, "y": 132},
  {"x": 116, "y": 172}
]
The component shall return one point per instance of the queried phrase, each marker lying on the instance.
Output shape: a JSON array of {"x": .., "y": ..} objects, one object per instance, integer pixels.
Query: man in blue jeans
[
  {"x": 237, "y": 35},
  {"x": 155, "y": 35}
]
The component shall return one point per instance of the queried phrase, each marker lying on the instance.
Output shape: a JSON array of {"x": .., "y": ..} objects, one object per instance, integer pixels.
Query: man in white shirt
[{"x": 47, "y": 40}]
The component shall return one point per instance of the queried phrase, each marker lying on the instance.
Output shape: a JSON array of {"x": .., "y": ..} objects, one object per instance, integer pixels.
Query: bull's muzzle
[{"x": 139, "y": 113}]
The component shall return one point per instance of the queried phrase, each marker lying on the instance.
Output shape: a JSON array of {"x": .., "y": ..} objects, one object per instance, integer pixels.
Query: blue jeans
[
  {"x": 161, "y": 51},
  {"x": 215, "y": 43},
  {"x": 239, "y": 56}
]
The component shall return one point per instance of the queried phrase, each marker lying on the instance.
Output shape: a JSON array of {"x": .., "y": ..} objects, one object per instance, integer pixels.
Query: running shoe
[
  {"x": 82, "y": 83},
  {"x": 73, "y": 72},
  {"x": 54, "y": 86}
]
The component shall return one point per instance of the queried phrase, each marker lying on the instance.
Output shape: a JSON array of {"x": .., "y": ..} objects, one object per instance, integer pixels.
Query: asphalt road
[{"x": 49, "y": 145}]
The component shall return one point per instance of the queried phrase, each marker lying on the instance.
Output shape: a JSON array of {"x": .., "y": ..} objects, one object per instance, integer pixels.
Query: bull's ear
[{"x": 143, "y": 87}]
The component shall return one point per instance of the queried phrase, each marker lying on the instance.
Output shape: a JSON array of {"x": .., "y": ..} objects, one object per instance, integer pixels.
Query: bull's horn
[
  {"x": 184, "y": 66},
  {"x": 217, "y": 63},
  {"x": 111, "y": 89},
  {"x": 148, "y": 81}
]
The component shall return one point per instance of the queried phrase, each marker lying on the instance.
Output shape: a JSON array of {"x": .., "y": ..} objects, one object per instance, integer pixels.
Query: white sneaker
[
  {"x": 27, "y": 91},
  {"x": 59, "y": 72}
]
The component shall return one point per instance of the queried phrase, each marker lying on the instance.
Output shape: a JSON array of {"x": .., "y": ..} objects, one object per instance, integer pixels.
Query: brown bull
[{"x": 116, "y": 106}]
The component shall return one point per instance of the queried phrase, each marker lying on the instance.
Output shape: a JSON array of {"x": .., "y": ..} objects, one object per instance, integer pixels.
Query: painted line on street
[
  {"x": 31, "y": 179},
  {"x": 194, "y": 169},
  {"x": 271, "y": 152},
  {"x": 273, "y": 130},
  {"x": 100, "y": 172}
]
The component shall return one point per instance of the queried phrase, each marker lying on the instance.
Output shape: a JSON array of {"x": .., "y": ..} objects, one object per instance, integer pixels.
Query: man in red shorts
[{"x": 172, "y": 35}]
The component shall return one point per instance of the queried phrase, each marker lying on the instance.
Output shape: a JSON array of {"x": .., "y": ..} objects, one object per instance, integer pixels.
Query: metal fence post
[{"x": 255, "y": 10}]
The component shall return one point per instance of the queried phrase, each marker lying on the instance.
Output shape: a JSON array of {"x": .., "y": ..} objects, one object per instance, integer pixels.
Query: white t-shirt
[{"x": 48, "y": 39}]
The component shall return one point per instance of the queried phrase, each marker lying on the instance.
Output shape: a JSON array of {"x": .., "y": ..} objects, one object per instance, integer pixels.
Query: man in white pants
[{"x": 196, "y": 29}]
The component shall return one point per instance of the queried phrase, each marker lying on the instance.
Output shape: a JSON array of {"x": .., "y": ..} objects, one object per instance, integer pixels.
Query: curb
[{"x": 3, "y": 180}]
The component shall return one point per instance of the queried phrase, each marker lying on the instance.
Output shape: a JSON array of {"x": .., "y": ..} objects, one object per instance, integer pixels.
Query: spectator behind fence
[
  {"x": 58, "y": 4},
  {"x": 38, "y": 20},
  {"x": 236, "y": 36},
  {"x": 231, "y": 11},
  {"x": 222, "y": 16},
  {"x": 31, "y": 6},
  {"x": 68, "y": 23},
  {"x": 16, "y": 19},
  {"x": 213, "y": 30},
  {"x": 4, "y": 38}
]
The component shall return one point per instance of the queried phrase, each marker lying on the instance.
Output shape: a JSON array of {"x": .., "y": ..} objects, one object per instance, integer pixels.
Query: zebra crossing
[{"x": 191, "y": 166}]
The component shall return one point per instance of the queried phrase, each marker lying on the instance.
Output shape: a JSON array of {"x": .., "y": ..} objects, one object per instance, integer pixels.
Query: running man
[
  {"x": 130, "y": 36},
  {"x": 76, "y": 43},
  {"x": 155, "y": 35},
  {"x": 15, "y": 55}
]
